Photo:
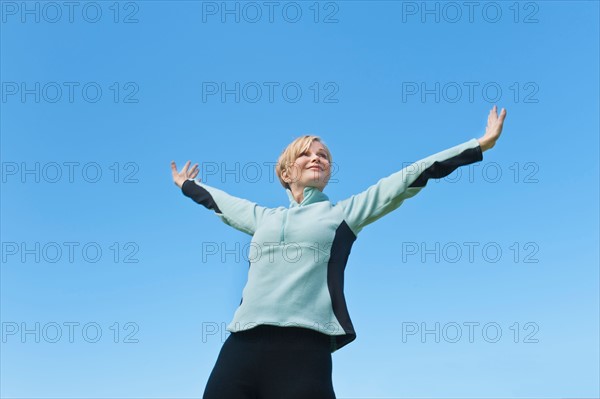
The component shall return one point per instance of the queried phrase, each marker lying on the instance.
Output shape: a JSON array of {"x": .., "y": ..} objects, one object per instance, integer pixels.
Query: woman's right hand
[{"x": 180, "y": 177}]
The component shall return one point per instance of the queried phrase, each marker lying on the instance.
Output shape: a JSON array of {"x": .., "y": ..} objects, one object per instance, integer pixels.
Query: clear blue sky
[{"x": 99, "y": 97}]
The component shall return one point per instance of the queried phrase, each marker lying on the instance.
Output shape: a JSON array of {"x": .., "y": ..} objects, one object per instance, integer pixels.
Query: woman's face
[{"x": 311, "y": 168}]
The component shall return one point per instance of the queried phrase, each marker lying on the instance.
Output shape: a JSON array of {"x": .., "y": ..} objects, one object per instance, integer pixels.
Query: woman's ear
[{"x": 285, "y": 176}]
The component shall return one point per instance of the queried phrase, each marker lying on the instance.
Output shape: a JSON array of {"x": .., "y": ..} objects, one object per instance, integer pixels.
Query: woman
[{"x": 293, "y": 313}]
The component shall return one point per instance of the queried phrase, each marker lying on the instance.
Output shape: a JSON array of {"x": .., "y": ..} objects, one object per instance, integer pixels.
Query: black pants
[{"x": 270, "y": 362}]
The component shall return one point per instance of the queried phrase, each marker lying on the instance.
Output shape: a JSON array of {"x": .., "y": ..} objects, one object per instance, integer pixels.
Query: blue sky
[{"x": 106, "y": 263}]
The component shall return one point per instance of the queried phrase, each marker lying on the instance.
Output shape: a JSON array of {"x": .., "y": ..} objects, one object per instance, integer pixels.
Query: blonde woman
[{"x": 293, "y": 313}]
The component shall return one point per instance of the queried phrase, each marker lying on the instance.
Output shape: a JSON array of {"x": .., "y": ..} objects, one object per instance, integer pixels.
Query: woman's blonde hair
[{"x": 292, "y": 152}]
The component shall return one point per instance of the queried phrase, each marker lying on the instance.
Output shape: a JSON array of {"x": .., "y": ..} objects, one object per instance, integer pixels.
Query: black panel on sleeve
[
  {"x": 442, "y": 169},
  {"x": 199, "y": 194}
]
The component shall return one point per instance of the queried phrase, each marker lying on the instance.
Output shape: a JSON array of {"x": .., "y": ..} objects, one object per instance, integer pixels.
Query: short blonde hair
[{"x": 292, "y": 152}]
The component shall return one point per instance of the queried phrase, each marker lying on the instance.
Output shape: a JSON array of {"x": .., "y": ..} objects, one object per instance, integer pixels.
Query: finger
[
  {"x": 185, "y": 167},
  {"x": 502, "y": 115},
  {"x": 500, "y": 120},
  {"x": 192, "y": 172},
  {"x": 492, "y": 115},
  {"x": 173, "y": 168}
]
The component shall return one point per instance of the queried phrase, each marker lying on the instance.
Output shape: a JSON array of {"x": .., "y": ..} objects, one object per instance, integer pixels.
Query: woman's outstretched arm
[
  {"x": 391, "y": 191},
  {"x": 238, "y": 213}
]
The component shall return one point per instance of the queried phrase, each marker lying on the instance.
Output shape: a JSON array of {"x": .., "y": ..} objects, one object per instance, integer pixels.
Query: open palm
[
  {"x": 493, "y": 128},
  {"x": 180, "y": 177}
]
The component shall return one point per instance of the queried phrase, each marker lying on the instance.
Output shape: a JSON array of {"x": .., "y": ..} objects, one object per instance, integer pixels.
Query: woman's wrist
[{"x": 484, "y": 144}]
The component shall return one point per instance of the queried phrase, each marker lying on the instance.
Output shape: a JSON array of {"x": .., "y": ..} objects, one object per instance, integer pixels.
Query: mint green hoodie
[{"x": 298, "y": 254}]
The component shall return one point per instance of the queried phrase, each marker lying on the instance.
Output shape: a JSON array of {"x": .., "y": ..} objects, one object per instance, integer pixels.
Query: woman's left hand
[{"x": 493, "y": 129}]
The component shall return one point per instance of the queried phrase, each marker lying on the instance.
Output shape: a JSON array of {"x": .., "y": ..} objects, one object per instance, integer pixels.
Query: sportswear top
[{"x": 297, "y": 255}]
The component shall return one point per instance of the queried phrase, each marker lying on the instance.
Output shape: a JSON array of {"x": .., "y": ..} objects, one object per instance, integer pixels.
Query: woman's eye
[{"x": 322, "y": 155}]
